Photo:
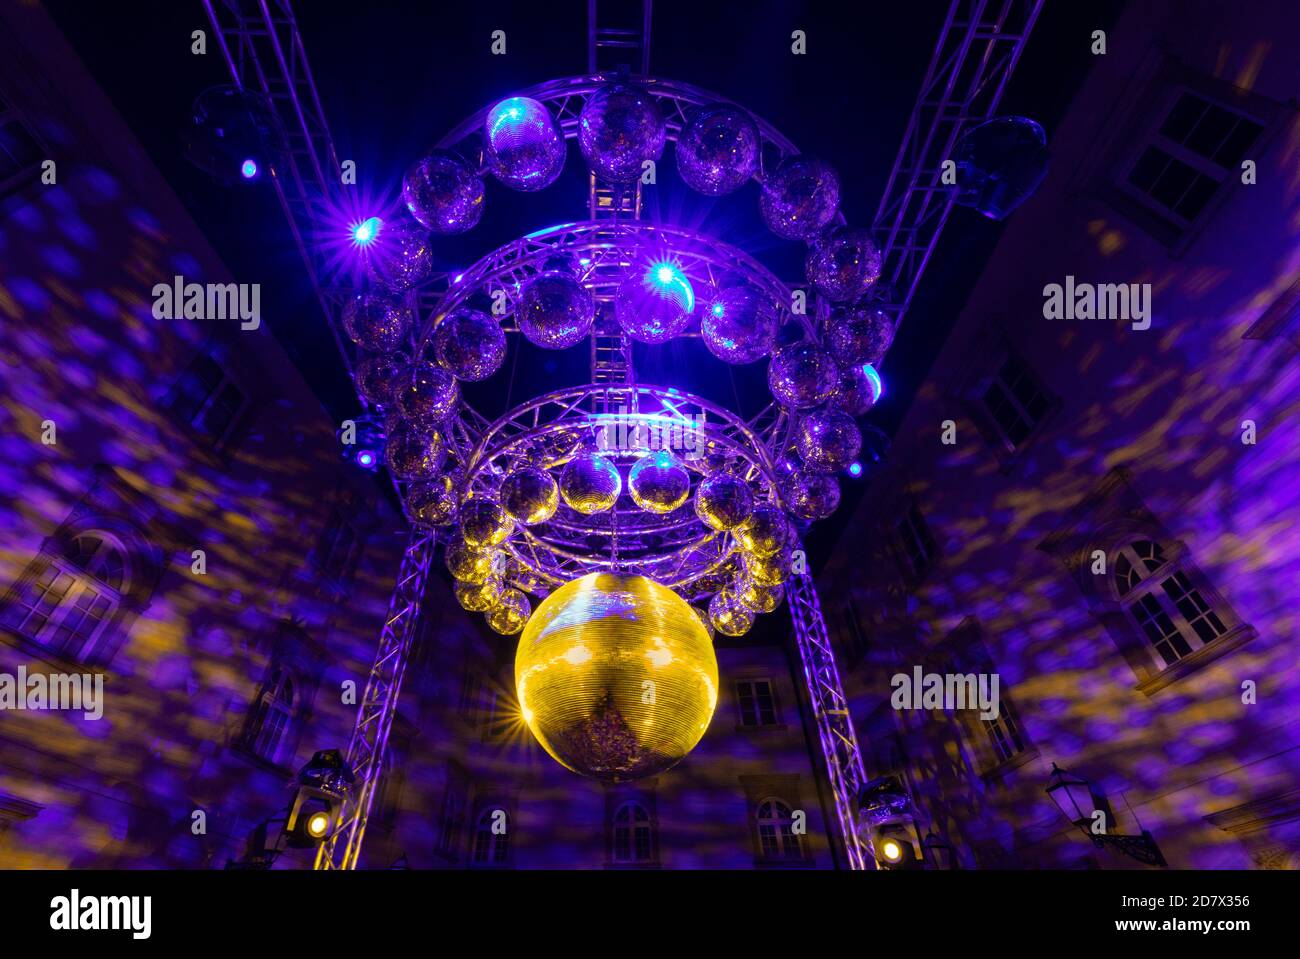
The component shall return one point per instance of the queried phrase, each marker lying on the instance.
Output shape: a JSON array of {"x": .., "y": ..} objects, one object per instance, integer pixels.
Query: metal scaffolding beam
[
  {"x": 830, "y": 708},
  {"x": 379, "y": 704},
  {"x": 977, "y": 51},
  {"x": 264, "y": 52}
]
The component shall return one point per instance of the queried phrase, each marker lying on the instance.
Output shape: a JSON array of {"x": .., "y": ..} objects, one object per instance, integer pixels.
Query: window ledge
[
  {"x": 262, "y": 763},
  {"x": 1007, "y": 765},
  {"x": 1225, "y": 644},
  {"x": 623, "y": 866},
  {"x": 761, "y": 728},
  {"x": 30, "y": 647}
]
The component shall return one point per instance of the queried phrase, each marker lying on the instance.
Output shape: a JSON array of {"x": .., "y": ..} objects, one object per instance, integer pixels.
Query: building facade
[
  {"x": 1093, "y": 496},
  {"x": 178, "y": 524}
]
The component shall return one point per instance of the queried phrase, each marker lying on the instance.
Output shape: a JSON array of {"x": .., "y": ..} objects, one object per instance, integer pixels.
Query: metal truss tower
[{"x": 977, "y": 51}]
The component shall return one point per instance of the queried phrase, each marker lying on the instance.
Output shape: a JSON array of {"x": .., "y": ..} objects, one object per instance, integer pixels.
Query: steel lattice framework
[
  {"x": 369, "y": 744},
  {"x": 977, "y": 51}
]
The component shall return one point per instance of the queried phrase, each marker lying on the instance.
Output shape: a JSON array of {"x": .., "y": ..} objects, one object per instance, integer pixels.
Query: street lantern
[
  {"x": 1076, "y": 799},
  {"x": 1072, "y": 795}
]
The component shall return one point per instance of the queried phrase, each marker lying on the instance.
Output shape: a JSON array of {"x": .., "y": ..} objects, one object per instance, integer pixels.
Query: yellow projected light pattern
[{"x": 616, "y": 676}]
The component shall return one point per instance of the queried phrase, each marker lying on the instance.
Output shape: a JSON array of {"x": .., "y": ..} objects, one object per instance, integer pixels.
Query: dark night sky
[{"x": 395, "y": 77}]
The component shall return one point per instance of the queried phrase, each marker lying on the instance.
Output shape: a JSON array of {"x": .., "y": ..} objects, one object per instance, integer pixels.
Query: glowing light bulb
[
  {"x": 891, "y": 850},
  {"x": 318, "y": 825},
  {"x": 248, "y": 169},
  {"x": 855, "y": 470}
]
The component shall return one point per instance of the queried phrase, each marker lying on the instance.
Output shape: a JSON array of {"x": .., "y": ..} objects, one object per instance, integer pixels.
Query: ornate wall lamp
[{"x": 1077, "y": 800}]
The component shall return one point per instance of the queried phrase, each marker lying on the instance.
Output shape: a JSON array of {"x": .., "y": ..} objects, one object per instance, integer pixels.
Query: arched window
[
  {"x": 776, "y": 833},
  {"x": 492, "y": 836},
  {"x": 1160, "y": 594},
  {"x": 66, "y": 598},
  {"x": 633, "y": 833},
  {"x": 272, "y": 714}
]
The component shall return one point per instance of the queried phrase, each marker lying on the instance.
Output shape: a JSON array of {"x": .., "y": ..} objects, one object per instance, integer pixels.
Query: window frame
[
  {"x": 195, "y": 422},
  {"x": 268, "y": 701},
  {"x": 1156, "y": 79},
  {"x": 634, "y": 827},
  {"x": 1153, "y": 582},
  {"x": 499, "y": 847},
  {"x": 913, "y": 575},
  {"x": 84, "y": 647},
  {"x": 784, "y": 835},
  {"x": 774, "y": 700},
  {"x": 1153, "y": 137},
  {"x": 995, "y": 349}
]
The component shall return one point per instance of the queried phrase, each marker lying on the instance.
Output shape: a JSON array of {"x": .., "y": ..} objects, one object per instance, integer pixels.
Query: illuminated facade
[
  {"x": 223, "y": 671},
  {"x": 1098, "y": 512}
]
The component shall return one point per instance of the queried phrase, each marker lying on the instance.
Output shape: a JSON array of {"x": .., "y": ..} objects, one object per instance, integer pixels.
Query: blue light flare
[
  {"x": 877, "y": 384},
  {"x": 672, "y": 282},
  {"x": 366, "y": 231}
]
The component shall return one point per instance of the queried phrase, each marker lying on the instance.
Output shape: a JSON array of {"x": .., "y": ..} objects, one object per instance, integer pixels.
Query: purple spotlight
[
  {"x": 248, "y": 169},
  {"x": 366, "y": 459},
  {"x": 365, "y": 232},
  {"x": 855, "y": 470}
]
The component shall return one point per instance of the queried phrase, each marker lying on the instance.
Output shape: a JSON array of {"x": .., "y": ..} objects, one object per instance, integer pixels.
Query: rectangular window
[
  {"x": 1160, "y": 629},
  {"x": 1004, "y": 732},
  {"x": 335, "y": 547},
  {"x": 757, "y": 704},
  {"x": 206, "y": 398},
  {"x": 918, "y": 545},
  {"x": 1194, "y": 608},
  {"x": 1014, "y": 401},
  {"x": 1198, "y": 146}
]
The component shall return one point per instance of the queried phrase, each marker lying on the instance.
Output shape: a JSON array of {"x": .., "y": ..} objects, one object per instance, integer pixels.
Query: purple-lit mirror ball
[
  {"x": 425, "y": 393},
  {"x": 802, "y": 375},
  {"x": 718, "y": 149},
  {"x": 620, "y": 128},
  {"x": 654, "y": 303},
  {"x": 444, "y": 192},
  {"x": 377, "y": 322},
  {"x": 800, "y": 199},
  {"x": 859, "y": 334},
  {"x": 827, "y": 440},
  {"x": 377, "y": 375},
  {"x": 400, "y": 257},
  {"x": 555, "y": 311},
  {"x": 469, "y": 344},
  {"x": 843, "y": 265},
  {"x": 740, "y": 325},
  {"x": 524, "y": 149}
]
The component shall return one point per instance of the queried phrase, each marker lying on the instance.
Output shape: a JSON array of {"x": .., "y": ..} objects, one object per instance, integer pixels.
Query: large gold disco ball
[{"x": 616, "y": 676}]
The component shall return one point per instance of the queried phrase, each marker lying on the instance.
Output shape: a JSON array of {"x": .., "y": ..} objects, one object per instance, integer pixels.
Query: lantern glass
[{"x": 1072, "y": 795}]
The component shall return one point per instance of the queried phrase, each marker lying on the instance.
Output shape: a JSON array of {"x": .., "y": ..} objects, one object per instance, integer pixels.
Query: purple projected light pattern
[{"x": 912, "y": 230}]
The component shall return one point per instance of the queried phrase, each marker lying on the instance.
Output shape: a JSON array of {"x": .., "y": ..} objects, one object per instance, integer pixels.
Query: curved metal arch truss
[
  {"x": 606, "y": 250},
  {"x": 678, "y": 550}
]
